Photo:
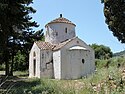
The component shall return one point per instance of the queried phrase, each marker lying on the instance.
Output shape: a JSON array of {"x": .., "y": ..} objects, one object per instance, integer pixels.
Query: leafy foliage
[
  {"x": 114, "y": 11},
  {"x": 101, "y": 51},
  {"x": 16, "y": 31},
  {"x": 114, "y": 62},
  {"x": 19, "y": 62}
]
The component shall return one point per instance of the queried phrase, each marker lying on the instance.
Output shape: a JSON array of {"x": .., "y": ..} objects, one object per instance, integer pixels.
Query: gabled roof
[
  {"x": 61, "y": 20},
  {"x": 60, "y": 45},
  {"x": 44, "y": 45},
  {"x": 49, "y": 46}
]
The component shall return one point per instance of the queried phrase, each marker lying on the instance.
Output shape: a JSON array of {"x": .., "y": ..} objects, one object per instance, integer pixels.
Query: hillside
[{"x": 122, "y": 53}]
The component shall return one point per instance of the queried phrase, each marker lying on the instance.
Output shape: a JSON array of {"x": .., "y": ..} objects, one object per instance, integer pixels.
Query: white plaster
[
  {"x": 71, "y": 60},
  {"x": 55, "y": 33},
  {"x": 57, "y": 64},
  {"x": 31, "y": 58},
  {"x": 66, "y": 62}
]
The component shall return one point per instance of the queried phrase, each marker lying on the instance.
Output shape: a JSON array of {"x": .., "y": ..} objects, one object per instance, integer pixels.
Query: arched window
[
  {"x": 83, "y": 61},
  {"x": 56, "y": 33},
  {"x": 34, "y": 54},
  {"x": 66, "y": 30}
]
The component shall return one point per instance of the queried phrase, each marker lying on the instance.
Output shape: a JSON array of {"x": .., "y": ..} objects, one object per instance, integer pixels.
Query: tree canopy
[
  {"x": 101, "y": 51},
  {"x": 114, "y": 11},
  {"x": 16, "y": 31}
]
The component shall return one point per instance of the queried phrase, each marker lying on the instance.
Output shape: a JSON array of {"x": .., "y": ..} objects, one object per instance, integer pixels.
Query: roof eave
[{"x": 59, "y": 22}]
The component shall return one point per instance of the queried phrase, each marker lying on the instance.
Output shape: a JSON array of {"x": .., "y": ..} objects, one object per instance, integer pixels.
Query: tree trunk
[
  {"x": 11, "y": 69},
  {"x": 7, "y": 69},
  {"x": 12, "y": 59},
  {"x": 6, "y": 66}
]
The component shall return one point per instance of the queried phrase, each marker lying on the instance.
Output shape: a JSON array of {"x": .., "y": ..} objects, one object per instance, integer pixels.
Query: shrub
[
  {"x": 2, "y": 67},
  {"x": 116, "y": 62}
]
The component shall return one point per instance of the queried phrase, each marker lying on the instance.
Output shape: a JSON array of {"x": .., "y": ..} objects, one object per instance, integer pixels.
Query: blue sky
[{"x": 87, "y": 15}]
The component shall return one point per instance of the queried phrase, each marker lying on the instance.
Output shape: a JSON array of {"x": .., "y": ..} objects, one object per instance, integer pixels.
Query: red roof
[
  {"x": 49, "y": 46},
  {"x": 61, "y": 20},
  {"x": 44, "y": 45}
]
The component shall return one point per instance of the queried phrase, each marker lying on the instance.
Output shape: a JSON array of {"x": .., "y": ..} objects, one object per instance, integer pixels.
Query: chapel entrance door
[{"x": 34, "y": 67}]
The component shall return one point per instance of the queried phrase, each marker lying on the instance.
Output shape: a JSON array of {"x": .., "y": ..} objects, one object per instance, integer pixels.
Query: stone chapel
[{"x": 63, "y": 55}]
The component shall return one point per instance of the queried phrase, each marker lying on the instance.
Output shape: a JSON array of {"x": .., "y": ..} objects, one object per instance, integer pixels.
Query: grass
[{"x": 106, "y": 80}]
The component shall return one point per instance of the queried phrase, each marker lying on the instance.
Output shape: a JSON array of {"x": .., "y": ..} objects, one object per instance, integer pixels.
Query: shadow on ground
[{"x": 16, "y": 84}]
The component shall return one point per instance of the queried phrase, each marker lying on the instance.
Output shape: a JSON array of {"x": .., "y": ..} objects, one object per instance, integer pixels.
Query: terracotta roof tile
[
  {"x": 49, "y": 46},
  {"x": 60, "y": 45},
  {"x": 44, "y": 45},
  {"x": 61, "y": 20}
]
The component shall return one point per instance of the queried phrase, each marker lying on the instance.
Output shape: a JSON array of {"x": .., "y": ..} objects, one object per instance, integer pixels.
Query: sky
[{"x": 86, "y": 14}]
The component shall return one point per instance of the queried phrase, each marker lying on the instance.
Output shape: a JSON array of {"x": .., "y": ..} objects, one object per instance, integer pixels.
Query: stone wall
[{"x": 46, "y": 67}]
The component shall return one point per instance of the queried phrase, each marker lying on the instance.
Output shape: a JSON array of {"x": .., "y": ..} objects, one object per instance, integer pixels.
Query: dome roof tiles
[{"x": 61, "y": 20}]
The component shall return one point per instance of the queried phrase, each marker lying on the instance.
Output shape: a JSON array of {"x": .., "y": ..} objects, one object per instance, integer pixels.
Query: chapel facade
[{"x": 62, "y": 55}]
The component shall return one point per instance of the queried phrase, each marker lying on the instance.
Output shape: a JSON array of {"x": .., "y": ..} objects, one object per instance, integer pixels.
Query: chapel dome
[
  {"x": 59, "y": 30},
  {"x": 60, "y": 20}
]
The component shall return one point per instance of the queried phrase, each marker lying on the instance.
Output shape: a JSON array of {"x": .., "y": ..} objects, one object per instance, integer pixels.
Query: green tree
[
  {"x": 19, "y": 62},
  {"x": 101, "y": 51},
  {"x": 29, "y": 38},
  {"x": 114, "y": 11},
  {"x": 15, "y": 21}
]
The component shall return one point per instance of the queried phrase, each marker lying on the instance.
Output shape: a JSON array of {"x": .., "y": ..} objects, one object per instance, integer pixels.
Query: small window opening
[
  {"x": 56, "y": 33},
  {"x": 77, "y": 41},
  {"x": 34, "y": 54},
  {"x": 42, "y": 55},
  {"x": 83, "y": 61},
  {"x": 65, "y": 30}
]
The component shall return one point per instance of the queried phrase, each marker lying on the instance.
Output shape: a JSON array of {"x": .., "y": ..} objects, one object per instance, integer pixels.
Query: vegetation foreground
[{"x": 109, "y": 78}]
